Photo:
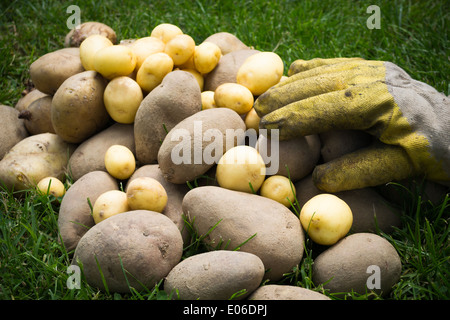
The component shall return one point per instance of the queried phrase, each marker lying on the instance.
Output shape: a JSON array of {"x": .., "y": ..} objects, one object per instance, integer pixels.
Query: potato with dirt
[
  {"x": 198, "y": 142},
  {"x": 90, "y": 155},
  {"x": 146, "y": 244},
  {"x": 227, "y": 273},
  {"x": 286, "y": 292},
  {"x": 14, "y": 129},
  {"x": 37, "y": 116},
  {"x": 33, "y": 159},
  {"x": 28, "y": 98},
  {"x": 176, "y": 98},
  {"x": 75, "y": 216},
  {"x": 78, "y": 111},
  {"x": 361, "y": 262},
  {"x": 227, "y": 42},
  {"x": 254, "y": 223},
  {"x": 77, "y": 35},
  {"x": 49, "y": 71}
]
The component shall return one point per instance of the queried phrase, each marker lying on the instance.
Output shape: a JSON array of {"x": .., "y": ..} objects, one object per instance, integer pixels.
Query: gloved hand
[{"x": 410, "y": 119}]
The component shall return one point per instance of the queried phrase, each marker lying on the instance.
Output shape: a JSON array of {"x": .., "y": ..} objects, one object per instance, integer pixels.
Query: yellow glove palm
[{"x": 409, "y": 118}]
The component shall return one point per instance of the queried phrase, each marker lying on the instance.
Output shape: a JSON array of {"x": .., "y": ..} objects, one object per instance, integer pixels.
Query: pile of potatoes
[{"x": 106, "y": 114}]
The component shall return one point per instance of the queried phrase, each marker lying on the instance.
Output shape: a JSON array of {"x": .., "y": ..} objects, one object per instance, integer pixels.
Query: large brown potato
[
  {"x": 285, "y": 292},
  {"x": 28, "y": 98},
  {"x": 77, "y": 109},
  {"x": 50, "y": 70},
  {"x": 90, "y": 155},
  {"x": 361, "y": 262},
  {"x": 227, "y": 68},
  {"x": 132, "y": 249},
  {"x": 215, "y": 275},
  {"x": 227, "y": 42},
  {"x": 187, "y": 152},
  {"x": 231, "y": 218},
  {"x": 34, "y": 158},
  {"x": 37, "y": 116},
  {"x": 75, "y": 217},
  {"x": 14, "y": 129},
  {"x": 176, "y": 98}
]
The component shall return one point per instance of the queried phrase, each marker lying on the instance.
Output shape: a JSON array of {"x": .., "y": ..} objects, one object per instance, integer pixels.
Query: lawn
[{"x": 412, "y": 34}]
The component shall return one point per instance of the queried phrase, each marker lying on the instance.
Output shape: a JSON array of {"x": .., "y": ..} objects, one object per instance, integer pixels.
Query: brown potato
[
  {"x": 175, "y": 99},
  {"x": 49, "y": 71},
  {"x": 227, "y": 42},
  {"x": 285, "y": 292},
  {"x": 90, "y": 155},
  {"x": 146, "y": 244},
  {"x": 186, "y": 152},
  {"x": 76, "y": 36},
  {"x": 175, "y": 195},
  {"x": 227, "y": 68},
  {"x": 296, "y": 157},
  {"x": 228, "y": 272},
  {"x": 257, "y": 224},
  {"x": 75, "y": 217},
  {"x": 361, "y": 262},
  {"x": 78, "y": 111},
  {"x": 14, "y": 129},
  {"x": 34, "y": 158},
  {"x": 37, "y": 116},
  {"x": 28, "y": 98}
]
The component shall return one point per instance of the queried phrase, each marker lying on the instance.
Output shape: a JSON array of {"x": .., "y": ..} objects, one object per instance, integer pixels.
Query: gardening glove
[{"x": 409, "y": 119}]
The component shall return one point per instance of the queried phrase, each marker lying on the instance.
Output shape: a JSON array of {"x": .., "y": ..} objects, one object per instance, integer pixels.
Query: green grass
[{"x": 413, "y": 34}]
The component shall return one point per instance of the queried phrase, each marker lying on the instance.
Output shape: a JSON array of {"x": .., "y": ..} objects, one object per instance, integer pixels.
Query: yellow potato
[
  {"x": 153, "y": 70},
  {"x": 144, "y": 47},
  {"x": 89, "y": 47},
  {"x": 252, "y": 120},
  {"x": 326, "y": 218},
  {"x": 120, "y": 162},
  {"x": 234, "y": 96},
  {"x": 280, "y": 189},
  {"x": 114, "y": 61},
  {"x": 109, "y": 204},
  {"x": 198, "y": 76},
  {"x": 208, "y": 100},
  {"x": 145, "y": 193},
  {"x": 51, "y": 185},
  {"x": 166, "y": 32},
  {"x": 180, "y": 48},
  {"x": 122, "y": 98},
  {"x": 206, "y": 57},
  {"x": 260, "y": 71},
  {"x": 241, "y": 168}
]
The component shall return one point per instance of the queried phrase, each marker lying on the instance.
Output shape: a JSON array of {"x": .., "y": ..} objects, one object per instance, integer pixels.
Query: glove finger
[
  {"x": 317, "y": 81},
  {"x": 358, "y": 107},
  {"x": 303, "y": 65},
  {"x": 363, "y": 168}
]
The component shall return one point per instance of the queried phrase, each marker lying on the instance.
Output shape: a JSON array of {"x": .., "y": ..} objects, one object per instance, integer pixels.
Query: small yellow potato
[
  {"x": 120, "y": 162},
  {"x": 180, "y": 48},
  {"x": 153, "y": 70},
  {"x": 51, "y": 185},
  {"x": 143, "y": 47},
  {"x": 166, "y": 32},
  {"x": 206, "y": 57},
  {"x": 234, "y": 96},
  {"x": 109, "y": 204},
  {"x": 326, "y": 218},
  {"x": 89, "y": 48},
  {"x": 280, "y": 189},
  {"x": 122, "y": 98},
  {"x": 208, "y": 100},
  {"x": 114, "y": 61},
  {"x": 252, "y": 120},
  {"x": 198, "y": 76},
  {"x": 145, "y": 193},
  {"x": 241, "y": 168},
  {"x": 260, "y": 71}
]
